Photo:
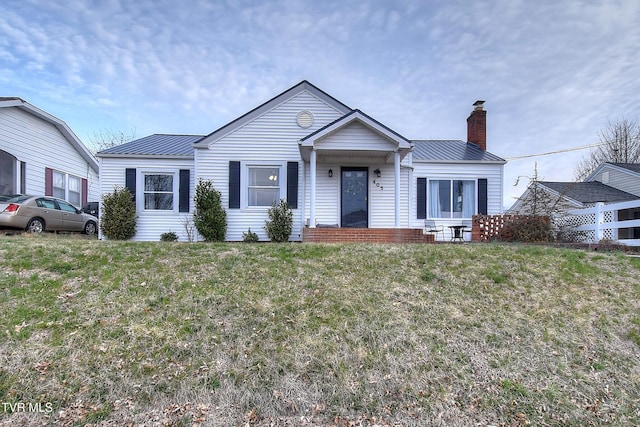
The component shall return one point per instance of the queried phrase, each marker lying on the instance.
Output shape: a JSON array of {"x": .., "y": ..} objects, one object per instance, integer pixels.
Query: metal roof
[
  {"x": 589, "y": 192},
  {"x": 155, "y": 145},
  {"x": 451, "y": 150}
]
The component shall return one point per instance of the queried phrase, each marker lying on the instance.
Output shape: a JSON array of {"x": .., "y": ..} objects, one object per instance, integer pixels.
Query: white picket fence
[{"x": 601, "y": 222}]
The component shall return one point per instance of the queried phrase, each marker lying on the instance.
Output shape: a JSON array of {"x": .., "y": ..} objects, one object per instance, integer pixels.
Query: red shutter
[
  {"x": 48, "y": 182},
  {"x": 85, "y": 191}
]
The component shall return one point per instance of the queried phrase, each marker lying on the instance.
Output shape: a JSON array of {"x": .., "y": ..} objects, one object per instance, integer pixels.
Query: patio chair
[
  {"x": 468, "y": 227},
  {"x": 431, "y": 227}
]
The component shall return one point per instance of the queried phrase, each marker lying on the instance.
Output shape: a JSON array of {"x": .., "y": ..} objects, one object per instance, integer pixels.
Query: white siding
[
  {"x": 380, "y": 196},
  {"x": 40, "y": 145},
  {"x": 462, "y": 171},
  {"x": 621, "y": 179},
  {"x": 356, "y": 136},
  {"x": 150, "y": 224},
  {"x": 269, "y": 139}
]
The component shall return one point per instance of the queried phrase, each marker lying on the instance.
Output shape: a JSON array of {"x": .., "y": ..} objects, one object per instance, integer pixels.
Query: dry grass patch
[{"x": 111, "y": 333}]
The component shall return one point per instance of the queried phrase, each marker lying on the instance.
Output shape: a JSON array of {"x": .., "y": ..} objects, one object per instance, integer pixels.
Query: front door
[{"x": 353, "y": 198}]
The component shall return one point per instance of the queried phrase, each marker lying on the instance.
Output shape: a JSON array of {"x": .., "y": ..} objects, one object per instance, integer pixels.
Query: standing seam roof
[
  {"x": 451, "y": 150},
  {"x": 157, "y": 145}
]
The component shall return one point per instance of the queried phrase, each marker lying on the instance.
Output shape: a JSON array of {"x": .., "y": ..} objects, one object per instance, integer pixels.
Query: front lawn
[{"x": 110, "y": 333}]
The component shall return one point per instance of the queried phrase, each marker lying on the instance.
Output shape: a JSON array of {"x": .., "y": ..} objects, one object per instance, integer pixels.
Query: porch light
[
  {"x": 377, "y": 172},
  {"x": 330, "y": 173}
]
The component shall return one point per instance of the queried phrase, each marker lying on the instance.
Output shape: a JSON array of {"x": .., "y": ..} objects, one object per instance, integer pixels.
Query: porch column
[
  {"x": 396, "y": 174},
  {"x": 312, "y": 194}
]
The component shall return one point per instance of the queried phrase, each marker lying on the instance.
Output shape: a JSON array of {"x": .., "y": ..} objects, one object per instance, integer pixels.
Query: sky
[{"x": 553, "y": 73}]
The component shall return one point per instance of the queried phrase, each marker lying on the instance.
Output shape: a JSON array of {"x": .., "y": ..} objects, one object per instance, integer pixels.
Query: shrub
[
  {"x": 169, "y": 236},
  {"x": 280, "y": 222},
  {"x": 118, "y": 218},
  {"x": 527, "y": 229},
  {"x": 250, "y": 237},
  {"x": 209, "y": 218}
]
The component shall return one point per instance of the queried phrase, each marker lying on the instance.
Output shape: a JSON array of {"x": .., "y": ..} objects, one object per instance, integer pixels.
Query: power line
[{"x": 566, "y": 150}]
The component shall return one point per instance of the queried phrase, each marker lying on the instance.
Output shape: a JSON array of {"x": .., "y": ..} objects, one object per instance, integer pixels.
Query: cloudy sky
[{"x": 552, "y": 72}]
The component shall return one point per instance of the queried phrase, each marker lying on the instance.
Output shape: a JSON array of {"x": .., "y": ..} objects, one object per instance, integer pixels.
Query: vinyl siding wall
[
  {"x": 458, "y": 171},
  {"x": 40, "y": 145},
  {"x": 271, "y": 139},
  {"x": 620, "y": 179},
  {"x": 381, "y": 195},
  {"x": 150, "y": 224}
]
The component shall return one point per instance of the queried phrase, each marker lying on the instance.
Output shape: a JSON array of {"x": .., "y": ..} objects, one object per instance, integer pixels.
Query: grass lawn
[{"x": 177, "y": 334}]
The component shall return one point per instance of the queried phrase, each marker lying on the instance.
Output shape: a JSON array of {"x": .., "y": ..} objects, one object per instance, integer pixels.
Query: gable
[
  {"x": 281, "y": 114},
  {"x": 622, "y": 176},
  {"x": 49, "y": 121},
  {"x": 356, "y": 135}
]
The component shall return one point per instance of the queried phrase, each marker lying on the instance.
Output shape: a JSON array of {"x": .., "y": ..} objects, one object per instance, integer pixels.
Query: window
[
  {"x": 7, "y": 173},
  {"x": 264, "y": 185},
  {"x": 75, "y": 197},
  {"x": 59, "y": 187},
  {"x": 451, "y": 198},
  {"x": 158, "y": 192},
  {"x": 66, "y": 207}
]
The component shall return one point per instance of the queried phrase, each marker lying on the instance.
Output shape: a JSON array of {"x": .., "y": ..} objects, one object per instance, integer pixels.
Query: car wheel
[
  {"x": 36, "y": 225},
  {"x": 90, "y": 228}
]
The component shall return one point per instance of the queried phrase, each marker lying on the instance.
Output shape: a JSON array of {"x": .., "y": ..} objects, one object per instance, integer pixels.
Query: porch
[{"x": 366, "y": 235}]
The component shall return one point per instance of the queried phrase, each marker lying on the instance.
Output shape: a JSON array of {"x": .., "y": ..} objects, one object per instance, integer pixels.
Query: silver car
[{"x": 36, "y": 214}]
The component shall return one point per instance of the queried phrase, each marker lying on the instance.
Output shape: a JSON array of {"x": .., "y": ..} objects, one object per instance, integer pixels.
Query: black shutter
[
  {"x": 422, "y": 198},
  {"x": 482, "y": 196},
  {"x": 183, "y": 192},
  {"x": 292, "y": 185},
  {"x": 234, "y": 185},
  {"x": 130, "y": 181}
]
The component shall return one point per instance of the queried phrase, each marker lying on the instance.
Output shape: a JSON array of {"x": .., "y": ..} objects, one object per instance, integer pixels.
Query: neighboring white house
[
  {"x": 39, "y": 154},
  {"x": 609, "y": 183},
  {"x": 335, "y": 166}
]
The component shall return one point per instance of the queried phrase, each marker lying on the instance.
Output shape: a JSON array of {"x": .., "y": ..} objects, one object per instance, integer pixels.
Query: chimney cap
[{"x": 478, "y": 104}]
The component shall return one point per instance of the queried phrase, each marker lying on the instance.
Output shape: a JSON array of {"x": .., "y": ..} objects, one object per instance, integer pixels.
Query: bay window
[{"x": 451, "y": 198}]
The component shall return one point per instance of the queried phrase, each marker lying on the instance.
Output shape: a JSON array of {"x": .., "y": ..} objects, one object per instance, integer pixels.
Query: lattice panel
[{"x": 487, "y": 226}]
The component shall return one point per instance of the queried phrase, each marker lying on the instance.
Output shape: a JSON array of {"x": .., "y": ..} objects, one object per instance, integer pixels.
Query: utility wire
[{"x": 566, "y": 150}]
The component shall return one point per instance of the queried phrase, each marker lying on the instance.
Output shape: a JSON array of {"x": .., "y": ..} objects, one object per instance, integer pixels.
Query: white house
[
  {"x": 609, "y": 183},
  {"x": 40, "y": 154},
  {"x": 337, "y": 168}
]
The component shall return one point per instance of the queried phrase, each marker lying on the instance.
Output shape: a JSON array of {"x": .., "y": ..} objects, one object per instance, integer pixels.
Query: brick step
[{"x": 366, "y": 235}]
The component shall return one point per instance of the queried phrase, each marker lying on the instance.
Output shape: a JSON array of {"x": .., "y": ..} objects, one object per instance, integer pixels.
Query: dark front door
[{"x": 353, "y": 198}]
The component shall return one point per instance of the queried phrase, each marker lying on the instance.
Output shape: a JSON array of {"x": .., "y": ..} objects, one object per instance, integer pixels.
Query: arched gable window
[{"x": 7, "y": 173}]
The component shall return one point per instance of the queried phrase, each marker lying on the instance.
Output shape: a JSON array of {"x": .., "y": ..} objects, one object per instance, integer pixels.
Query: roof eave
[
  {"x": 145, "y": 156},
  {"x": 267, "y": 106},
  {"x": 483, "y": 162},
  {"x": 59, "y": 124}
]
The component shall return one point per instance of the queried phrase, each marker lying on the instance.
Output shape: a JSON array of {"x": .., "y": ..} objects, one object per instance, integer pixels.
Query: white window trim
[
  {"x": 140, "y": 181},
  {"x": 450, "y": 178},
  {"x": 65, "y": 178},
  {"x": 244, "y": 180}
]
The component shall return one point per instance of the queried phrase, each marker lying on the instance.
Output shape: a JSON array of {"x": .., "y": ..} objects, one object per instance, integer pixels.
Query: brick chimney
[{"x": 477, "y": 126}]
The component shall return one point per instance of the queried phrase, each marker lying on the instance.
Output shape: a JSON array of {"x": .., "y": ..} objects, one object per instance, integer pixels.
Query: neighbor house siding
[
  {"x": 150, "y": 224},
  {"x": 271, "y": 139},
  {"x": 621, "y": 179},
  {"x": 40, "y": 145}
]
